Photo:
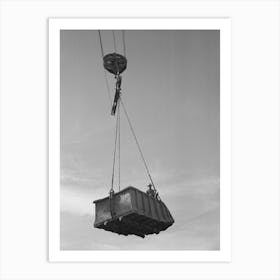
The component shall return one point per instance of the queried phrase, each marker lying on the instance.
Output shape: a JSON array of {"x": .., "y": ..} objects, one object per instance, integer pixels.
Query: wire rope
[
  {"x": 114, "y": 39},
  {"x": 117, "y": 129},
  {"x": 115, "y": 148},
  {"x": 119, "y": 138},
  {"x": 105, "y": 73},
  {"x": 123, "y": 38},
  {"x": 101, "y": 46},
  {"x": 137, "y": 143}
]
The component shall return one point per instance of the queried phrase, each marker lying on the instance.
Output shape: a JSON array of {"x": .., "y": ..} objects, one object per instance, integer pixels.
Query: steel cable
[
  {"x": 137, "y": 143},
  {"x": 114, "y": 39},
  {"x": 105, "y": 73},
  {"x": 115, "y": 148},
  {"x": 101, "y": 46},
  {"x": 124, "y": 48},
  {"x": 119, "y": 140}
]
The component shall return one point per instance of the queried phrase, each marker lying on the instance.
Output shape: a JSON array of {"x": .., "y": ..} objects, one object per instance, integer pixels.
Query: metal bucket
[{"x": 132, "y": 211}]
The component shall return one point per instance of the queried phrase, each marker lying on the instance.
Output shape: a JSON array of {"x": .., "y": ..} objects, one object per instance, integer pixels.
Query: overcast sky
[{"x": 171, "y": 92}]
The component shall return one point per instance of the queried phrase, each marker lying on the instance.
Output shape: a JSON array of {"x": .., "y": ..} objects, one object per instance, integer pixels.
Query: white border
[{"x": 55, "y": 254}]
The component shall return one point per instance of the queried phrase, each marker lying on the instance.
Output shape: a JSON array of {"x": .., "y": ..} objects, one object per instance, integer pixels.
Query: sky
[{"x": 171, "y": 92}]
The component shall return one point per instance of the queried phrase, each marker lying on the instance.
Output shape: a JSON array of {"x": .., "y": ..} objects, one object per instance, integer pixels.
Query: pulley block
[{"x": 114, "y": 63}]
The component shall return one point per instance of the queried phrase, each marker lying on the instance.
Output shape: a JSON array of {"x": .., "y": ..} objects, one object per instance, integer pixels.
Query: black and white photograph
[{"x": 140, "y": 139}]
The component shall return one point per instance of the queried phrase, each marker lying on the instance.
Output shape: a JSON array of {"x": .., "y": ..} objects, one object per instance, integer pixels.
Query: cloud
[
  {"x": 76, "y": 202},
  {"x": 194, "y": 203},
  {"x": 199, "y": 233}
]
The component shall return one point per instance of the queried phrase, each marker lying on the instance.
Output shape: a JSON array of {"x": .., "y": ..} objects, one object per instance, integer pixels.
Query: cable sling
[
  {"x": 115, "y": 149},
  {"x": 119, "y": 103},
  {"x": 137, "y": 143},
  {"x": 119, "y": 140}
]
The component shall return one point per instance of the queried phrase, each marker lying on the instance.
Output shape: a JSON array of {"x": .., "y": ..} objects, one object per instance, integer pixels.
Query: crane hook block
[{"x": 114, "y": 63}]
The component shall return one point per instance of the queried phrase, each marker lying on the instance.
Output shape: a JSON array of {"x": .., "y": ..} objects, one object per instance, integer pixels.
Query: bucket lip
[{"x": 121, "y": 191}]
